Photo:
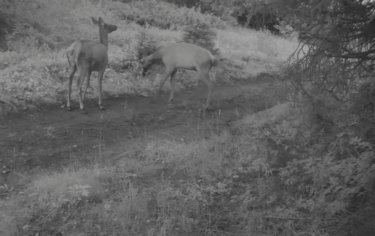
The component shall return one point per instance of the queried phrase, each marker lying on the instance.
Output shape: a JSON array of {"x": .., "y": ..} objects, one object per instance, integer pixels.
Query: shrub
[
  {"x": 146, "y": 44},
  {"x": 201, "y": 34},
  {"x": 163, "y": 15}
]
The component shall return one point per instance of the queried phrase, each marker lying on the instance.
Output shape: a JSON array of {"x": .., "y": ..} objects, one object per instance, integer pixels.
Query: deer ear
[
  {"x": 100, "y": 20},
  {"x": 94, "y": 20}
]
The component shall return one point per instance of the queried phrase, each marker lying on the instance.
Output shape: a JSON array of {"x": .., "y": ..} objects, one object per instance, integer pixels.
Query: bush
[
  {"x": 146, "y": 44},
  {"x": 201, "y": 34},
  {"x": 163, "y": 15}
]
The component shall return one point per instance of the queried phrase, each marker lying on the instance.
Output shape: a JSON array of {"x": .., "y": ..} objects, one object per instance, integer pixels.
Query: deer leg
[
  {"x": 74, "y": 68},
  {"x": 167, "y": 74},
  {"x": 87, "y": 84},
  {"x": 173, "y": 83},
  {"x": 100, "y": 80},
  {"x": 79, "y": 85}
]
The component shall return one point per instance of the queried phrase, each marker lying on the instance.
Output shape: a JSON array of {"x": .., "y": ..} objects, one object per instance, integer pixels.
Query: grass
[
  {"x": 217, "y": 183},
  {"x": 256, "y": 51},
  {"x": 163, "y": 15},
  {"x": 161, "y": 186},
  {"x": 34, "y": 73},
  {"x": 266, "y": 174},
  {"x": 69, "y": 186},
  {"x": 137, "y": 193}
]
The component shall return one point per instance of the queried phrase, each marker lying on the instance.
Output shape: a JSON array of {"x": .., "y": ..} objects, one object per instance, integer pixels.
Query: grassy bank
[
  {"x": 202, "y": 184},
  {"x": 34, "y": 69},
  {"x": 215, "y": 179}
]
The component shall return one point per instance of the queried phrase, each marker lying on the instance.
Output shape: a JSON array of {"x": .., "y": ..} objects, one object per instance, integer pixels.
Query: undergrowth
[
  {"x": 34, "y": 68},
  {"x": 267, "y": 174},
  {"x": 296, "y": 168}
]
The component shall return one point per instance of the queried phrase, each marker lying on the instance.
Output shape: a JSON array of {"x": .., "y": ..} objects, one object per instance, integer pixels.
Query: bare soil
[{"x": 52, "y": 138}]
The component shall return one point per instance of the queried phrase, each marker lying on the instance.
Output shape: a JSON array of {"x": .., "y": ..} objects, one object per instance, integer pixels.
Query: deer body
[
  {"x": 182, "y": 56},
  {"x": 86, "y": 56},
  {"x": 91, "y": 55}
]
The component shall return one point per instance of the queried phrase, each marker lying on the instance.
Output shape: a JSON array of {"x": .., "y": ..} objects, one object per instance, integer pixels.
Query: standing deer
[
  {"x": 182, "y": 56},
  {"x": 86, "y": 56}
]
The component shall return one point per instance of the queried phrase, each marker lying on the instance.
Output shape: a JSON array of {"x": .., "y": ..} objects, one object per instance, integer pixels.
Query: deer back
[
  {"x": 184, "y": 55},
  {"x": 88, "y": 53}
]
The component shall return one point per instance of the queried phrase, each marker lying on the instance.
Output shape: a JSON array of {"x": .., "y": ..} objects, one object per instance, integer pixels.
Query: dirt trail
[{"x": 48, "y": 138}]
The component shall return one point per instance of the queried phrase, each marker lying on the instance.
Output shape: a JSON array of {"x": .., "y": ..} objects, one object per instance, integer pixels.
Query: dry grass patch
[{"x": 70, "y": 186}]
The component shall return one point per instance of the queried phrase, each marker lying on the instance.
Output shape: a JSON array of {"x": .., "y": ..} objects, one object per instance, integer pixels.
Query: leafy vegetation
[
  {"x": 202, "y": 35},
  {"x": 34, "y": 68},
  {"x": 301, "y": 164},
  {"x": 164, "y": 15}
]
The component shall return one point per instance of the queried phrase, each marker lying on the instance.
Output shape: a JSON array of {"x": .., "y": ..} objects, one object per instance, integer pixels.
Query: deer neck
[{"x": 103, "y": 37}]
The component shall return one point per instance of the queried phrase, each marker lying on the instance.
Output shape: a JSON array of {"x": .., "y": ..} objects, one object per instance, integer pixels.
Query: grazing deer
[
  {"x": 182, "y": 56},
  {"x": 86, "y": 56}
]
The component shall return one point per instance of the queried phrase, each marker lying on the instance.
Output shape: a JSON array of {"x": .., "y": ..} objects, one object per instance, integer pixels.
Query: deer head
[{"x": 104, "y": 26}]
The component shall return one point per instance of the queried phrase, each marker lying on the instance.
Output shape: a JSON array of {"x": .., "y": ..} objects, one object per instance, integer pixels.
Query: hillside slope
[{"x": 34, "y": 68}]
